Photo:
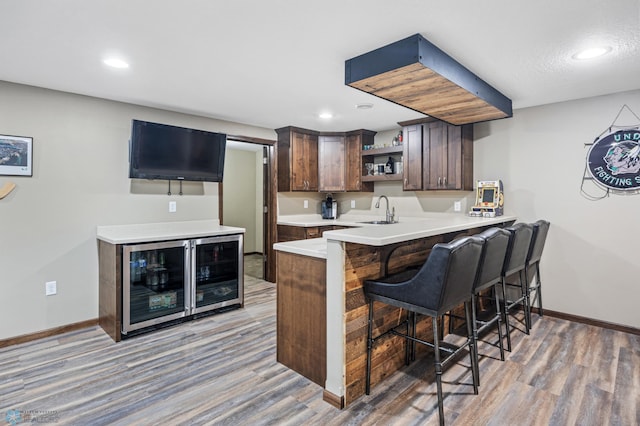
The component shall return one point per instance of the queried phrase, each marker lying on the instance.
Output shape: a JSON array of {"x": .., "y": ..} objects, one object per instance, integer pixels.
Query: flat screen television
[{"x": 160, "y": 151}]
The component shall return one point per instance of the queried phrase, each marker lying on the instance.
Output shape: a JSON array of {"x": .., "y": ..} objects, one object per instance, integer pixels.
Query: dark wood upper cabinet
[
  {"x": 412, "y": 157},
  {"x": 438, "y": 156},
  {"x": 331, "y": 163},
  {"x": 297, "y": 159},
  {"x": 321, "y": 161}
]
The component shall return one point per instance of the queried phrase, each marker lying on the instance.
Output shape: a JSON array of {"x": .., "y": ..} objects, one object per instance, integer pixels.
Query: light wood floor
[{"x": 222, "y": 370}]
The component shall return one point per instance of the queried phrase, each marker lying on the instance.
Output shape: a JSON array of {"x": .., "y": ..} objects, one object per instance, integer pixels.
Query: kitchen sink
[{"x": 379, "y": 222}]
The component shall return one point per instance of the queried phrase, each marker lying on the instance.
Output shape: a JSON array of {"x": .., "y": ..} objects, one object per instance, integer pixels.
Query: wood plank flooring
[{"x": 221, "y": 370}]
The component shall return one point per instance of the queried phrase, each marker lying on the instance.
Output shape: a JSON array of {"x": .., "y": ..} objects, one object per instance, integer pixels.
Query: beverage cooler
[{"x": 171, "y": 280}]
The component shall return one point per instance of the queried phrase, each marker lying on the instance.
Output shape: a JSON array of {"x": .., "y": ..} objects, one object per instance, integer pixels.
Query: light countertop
[
  {"x": 313, "y": 247},
  {"x": 147, "y": 232},
  {"x": 409, "y": 228}
]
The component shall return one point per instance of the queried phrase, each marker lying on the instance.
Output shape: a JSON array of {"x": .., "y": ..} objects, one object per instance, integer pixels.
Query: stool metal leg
[
  {"x": 499, "y": 320},
  {"x": 408, "y": 343},
  {"x": 505, "y": 312},
  {"x": 473, "y": 354},
  {"x": 369, "y": 346},
  {"x": 539, "y": 289},
  {"x": 474, "y": 322},
  {"x": 438, "y": 368},
  {"x": 524, "y": 284}
]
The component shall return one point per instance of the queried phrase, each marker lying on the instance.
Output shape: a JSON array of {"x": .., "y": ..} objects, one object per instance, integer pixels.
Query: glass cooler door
[
  {"x": 155, "y": 283},
  {"x": 218, "y": 272}
]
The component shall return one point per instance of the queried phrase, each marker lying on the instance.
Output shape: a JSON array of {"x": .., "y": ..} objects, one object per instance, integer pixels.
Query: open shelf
[
  {"x": 381, "y": 151},
  {"x": 385, "y": 178}
]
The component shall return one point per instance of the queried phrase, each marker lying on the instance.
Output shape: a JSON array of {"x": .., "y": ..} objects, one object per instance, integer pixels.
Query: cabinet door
[
  {"x": 217, "y": 278},
  {"x": 304, "y": 162},
  {"x": 447, "y": 157},
  {"x": 331, "y": 163},
  {"x": 154, "y": 284},
  {"x": 354, "y": 170},
  {"x": 435, "y": 156},
  {"x": 412, "y": 158},
  {"x": 460, "y": 158},
  {"x": 311, "y": 164},
  {"x": 290, "y": 233},
  {"x": 299, "y": 158}
]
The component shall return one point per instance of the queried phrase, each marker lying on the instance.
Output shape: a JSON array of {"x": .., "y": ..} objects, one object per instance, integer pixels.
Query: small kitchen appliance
[{"x": 329, "y": 208}]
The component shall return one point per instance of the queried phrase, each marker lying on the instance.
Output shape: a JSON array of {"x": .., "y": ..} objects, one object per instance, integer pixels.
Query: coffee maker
[{"x": 329, "y": 208}]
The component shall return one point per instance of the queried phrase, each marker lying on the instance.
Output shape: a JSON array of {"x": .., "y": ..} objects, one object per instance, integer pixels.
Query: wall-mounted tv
[{"x": 160, "y": 151}]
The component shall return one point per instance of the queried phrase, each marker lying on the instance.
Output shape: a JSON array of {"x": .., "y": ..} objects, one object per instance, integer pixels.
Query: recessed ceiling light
[
  {"x": 325, "y": 115},
  {"x": 364, "y": 106},
  {"x": 591, "y": 53},
  {"x": 116, "y": 63}
]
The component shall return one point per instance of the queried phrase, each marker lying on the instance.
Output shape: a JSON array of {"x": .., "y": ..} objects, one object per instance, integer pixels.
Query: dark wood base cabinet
[
  {"x": 302, "y": 315},
  {"x": 143, "y": 286}
]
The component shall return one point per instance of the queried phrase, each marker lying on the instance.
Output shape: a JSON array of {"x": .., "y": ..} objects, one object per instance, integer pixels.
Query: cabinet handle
[
  {"x": 445, "y": 181},
  {"x": 439, "y": 181}
]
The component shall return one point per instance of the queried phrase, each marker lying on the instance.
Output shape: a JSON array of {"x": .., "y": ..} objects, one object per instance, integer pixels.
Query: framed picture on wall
[{"x": 16, "y": 155}]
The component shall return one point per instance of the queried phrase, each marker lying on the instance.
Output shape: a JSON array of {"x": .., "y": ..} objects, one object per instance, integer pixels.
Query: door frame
[{"x": 270, "y": 200}]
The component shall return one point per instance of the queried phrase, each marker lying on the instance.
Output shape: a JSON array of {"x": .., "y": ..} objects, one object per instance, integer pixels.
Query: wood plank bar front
[{"x": 364, "y": 262}]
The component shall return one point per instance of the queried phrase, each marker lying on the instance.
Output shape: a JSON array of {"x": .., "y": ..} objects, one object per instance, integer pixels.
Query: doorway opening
[{"x": 247, "y": 200}]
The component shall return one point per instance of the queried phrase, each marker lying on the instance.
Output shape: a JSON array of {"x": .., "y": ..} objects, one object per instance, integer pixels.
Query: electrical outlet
[
  {"x": 353, "y": 204},
  {"x": 172, "y": 206},
  {"x": 306, "y": 204},
  {"x": 456, "y": 206},
  {"x": 50, "y": 288}
]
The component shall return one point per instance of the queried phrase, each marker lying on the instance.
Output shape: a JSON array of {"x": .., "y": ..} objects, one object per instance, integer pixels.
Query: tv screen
[{"x": 160, "y": 151}]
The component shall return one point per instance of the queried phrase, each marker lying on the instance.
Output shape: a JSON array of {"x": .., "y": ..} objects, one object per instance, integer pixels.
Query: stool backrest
[
  {"x": 446, "y": 279},
  {"x": 540, "y": 230},
  {"x": 521, "y": 235},
  {"x": 494, "y": 255}
]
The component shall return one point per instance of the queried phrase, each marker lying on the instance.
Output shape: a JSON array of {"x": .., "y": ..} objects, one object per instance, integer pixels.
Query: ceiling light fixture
[
  {"x": 592, "y": 52},
  {"x": 325, "y": 115},
  {"x": 116, "y": 63}
]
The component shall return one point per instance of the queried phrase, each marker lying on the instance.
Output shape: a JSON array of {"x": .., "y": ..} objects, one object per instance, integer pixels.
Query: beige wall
[
  {"x": 243, "y": 196},
  {"x": 590, "y": 267},
  {"x": 80, "y": 180},
  {"x": 590, "y": 264}
]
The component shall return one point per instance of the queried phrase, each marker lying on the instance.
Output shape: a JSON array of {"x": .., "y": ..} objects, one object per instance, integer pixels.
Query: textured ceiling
[{"x": 281, "y": 62}]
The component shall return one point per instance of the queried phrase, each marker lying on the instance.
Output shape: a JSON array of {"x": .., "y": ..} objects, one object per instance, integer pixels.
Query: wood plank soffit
[{"x": 418, "y": 75}]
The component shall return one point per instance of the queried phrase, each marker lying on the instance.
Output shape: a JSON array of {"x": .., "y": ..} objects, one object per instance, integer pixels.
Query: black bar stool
[
  {"x": 515, "y": 264},
  {"x": 496, "y": 244},
  {"x": 540, "y": 230},
  {"x": 444, "y": 281}
]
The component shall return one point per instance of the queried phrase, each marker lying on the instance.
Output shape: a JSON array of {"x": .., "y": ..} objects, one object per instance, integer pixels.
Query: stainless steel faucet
[{"x": 388, "y": 214}]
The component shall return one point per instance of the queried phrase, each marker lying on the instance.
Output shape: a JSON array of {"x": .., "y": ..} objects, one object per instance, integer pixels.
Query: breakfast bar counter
[{"x": 322, "y": 311}]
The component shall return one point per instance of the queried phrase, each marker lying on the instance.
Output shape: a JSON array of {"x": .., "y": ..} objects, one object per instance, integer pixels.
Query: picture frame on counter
[{"x": 16, "y": 155}]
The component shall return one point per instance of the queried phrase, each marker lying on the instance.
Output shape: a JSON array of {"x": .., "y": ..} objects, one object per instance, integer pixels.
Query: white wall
[{"x": 80, "y": 180}]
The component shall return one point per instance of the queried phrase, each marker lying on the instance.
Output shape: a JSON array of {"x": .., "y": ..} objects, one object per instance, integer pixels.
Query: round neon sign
[{"x": 614, "y": 160}]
